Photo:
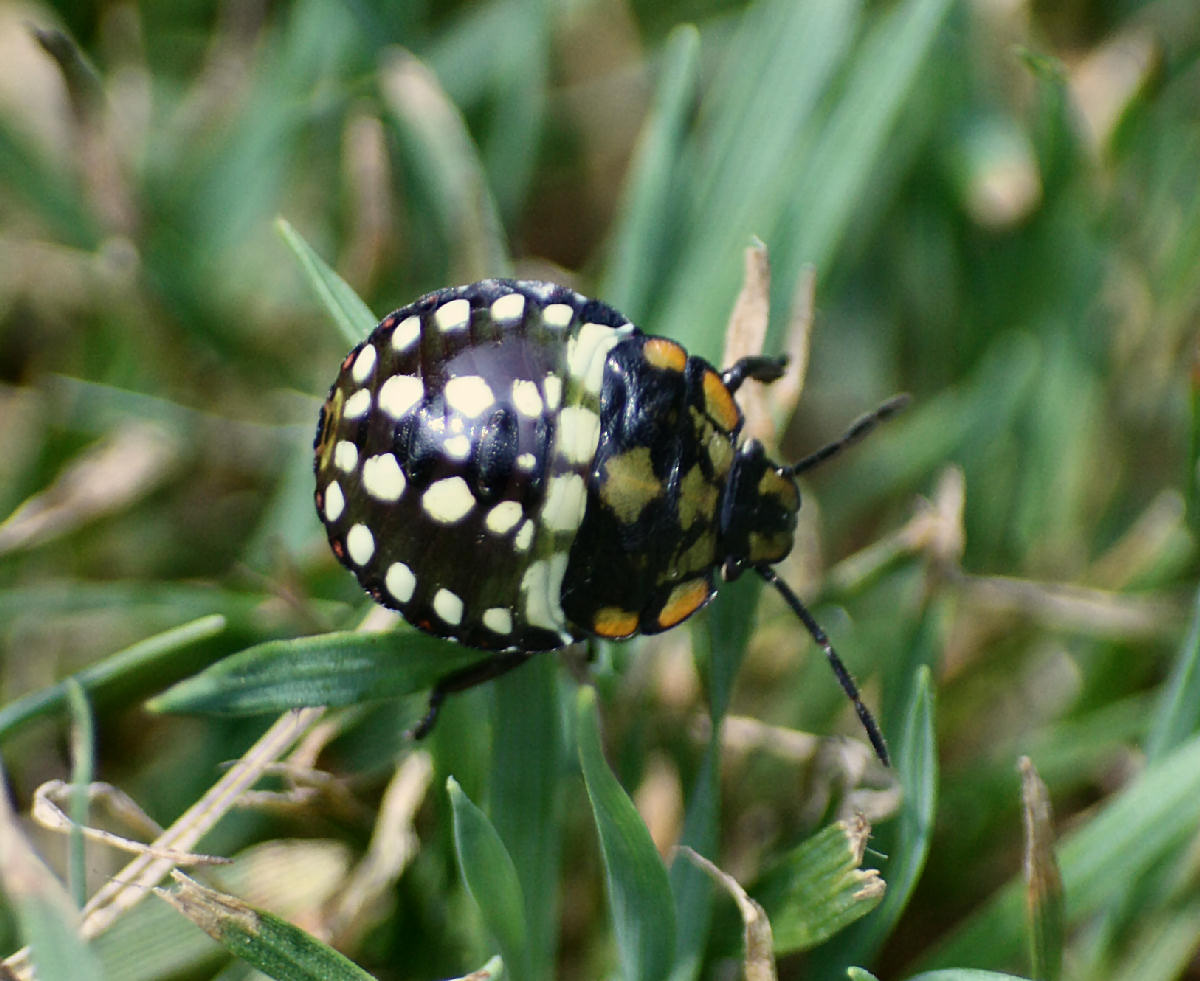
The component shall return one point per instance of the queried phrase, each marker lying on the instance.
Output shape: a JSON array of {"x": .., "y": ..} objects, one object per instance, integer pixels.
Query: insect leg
[
  {"x": 760, "y": 367},
  {"x": 470, "y": 676}
]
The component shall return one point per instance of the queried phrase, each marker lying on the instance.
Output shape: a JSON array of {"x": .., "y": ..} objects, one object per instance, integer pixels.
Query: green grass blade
[
  {"x": 446, "y": 167},
  {"x": 491, "y": 879},
  {"x": 47, "y": 921},
  {"x": 263, "y": 940},
  {"x": 639, "y": 241},
  {"x": 1137, "y": 829},
  {"x": 818, "y": 888},
  {"x": 916, "y": 766},
  {"x": 693, "y": 892},
  {"x": 1043, "y": 885},
  {"x": 353, "y": 318},
  {"x": 1178, "y": 712},
  {"x": 343, "y": 668},
  {"x": 525, "y": 801},
  {"x": 131, "y": 662},
  {"x": 83, "y": 756},
  {"x": 965, "y": 974},
  {"x": 852, "y": 142},
  {"x": 639, "y": 894}
]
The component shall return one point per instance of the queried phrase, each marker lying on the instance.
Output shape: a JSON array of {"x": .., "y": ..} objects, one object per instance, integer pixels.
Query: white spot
[
  {"x": 345, "y": 456},
  {"x": 448, "y": 606},
  {"x": 566, "y": 498},
  {"x": 526, "y": 398},
  {"x": 508, "y": 308},
  {"x": 457, "y": 447},
  {"x": 469, "y": 394},
  {"x": 383, "y": 478},
  {"x": 399, "y": 394},
  {"x": 454, "y": 315},
  {"x": 335, "y": 502},
  {"x": 541, "y": 587},
  {"x": 578, "y": 434},
  {"x": 526, "y": 462},
  {"x": 400, "y": 582},
  {"x": 364, "y": 364},
  {"x": 503, "y": 517},
  {"x": 357, "y": 404},
  {"x": 524, "y": 537},
  {"x": 406, "y": 333},
  {"x": 360, "y": 543},
  {"x": 557, "y": 315},
  {"x": 552, "y": 386},
  {"x": 587, "y": 353},
  {"x": 448, "y": 501},
  {"x": 498, "y": 620}
]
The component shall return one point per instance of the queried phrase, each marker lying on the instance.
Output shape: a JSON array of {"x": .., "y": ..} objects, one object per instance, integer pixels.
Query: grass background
[{"x": 1000, "y": 201}]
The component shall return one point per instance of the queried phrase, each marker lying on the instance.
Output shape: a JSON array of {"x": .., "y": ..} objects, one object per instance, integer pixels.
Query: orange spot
[
  {"x": 664, "y": 354},
  {"x": 612, "y": 621},
  {"x": 719, "y": 403},
  {"x": 685, "y": 599}
]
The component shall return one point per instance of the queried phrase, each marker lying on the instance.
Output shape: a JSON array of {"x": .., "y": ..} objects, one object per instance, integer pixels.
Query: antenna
[{"x": 858, "y": 429}]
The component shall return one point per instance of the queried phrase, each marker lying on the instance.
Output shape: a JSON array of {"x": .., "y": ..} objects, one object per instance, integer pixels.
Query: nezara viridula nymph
[{"x": 516, "y": 467}]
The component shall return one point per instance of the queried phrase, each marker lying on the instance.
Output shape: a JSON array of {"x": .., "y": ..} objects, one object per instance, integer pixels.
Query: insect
[{"x": 516, "y": 467}]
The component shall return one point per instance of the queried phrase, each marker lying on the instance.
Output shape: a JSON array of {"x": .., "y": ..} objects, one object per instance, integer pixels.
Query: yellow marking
[
  {"x": 685, "y": 599},
  {"x": 700, "y": 555},
  {"x": 333, "y": 416},
  {"x": 769, "y": 548},
  {"x": 697, "y": 498},
  {"x": 615, "y": 623},
  {"x": 775, "y": 484},
  {"x": 716, "y": 443},
  {"x": 719, "y": 403},
  {"x": 629, "y": 484},
  {"x": 664, "y": 354}
]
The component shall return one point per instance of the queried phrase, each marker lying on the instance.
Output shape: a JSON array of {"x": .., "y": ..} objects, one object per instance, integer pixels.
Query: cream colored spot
[
  {"x": 457, "y": 447},
  {"x": 357, "y": 404},
  {"x": 524, "y": 537},
  {"x": 578, "y": 434},
  {"x": 498, "y": 620},
  {"x": 406, "y": 333},
  {"x": 526, "y": 398},
  {"x": 541, "y": 587},
  {"x": 345, "y": 456},
  {"x": 364, "y": 364},
  {"x": 552, "y": 386},
  {"x": 383, "y": 478},
  {"x": 448, "y": 606},
  {"x": 503, "y": 517},
  {"x": 454, "y": 315},
  {"x": 448, "y": 500},
  {"x": 566, "y": 498},
  {"x": 360, "y": 543},
  {"x": 399, "y": 394},
  {"x": 557, "y": 315},
  {"x": 470, "y": 395},
  {"x": 526, "y": 462},
  {"x": 400, "y": 582},
  {"x": 335, "y": 502},
  {"x": 587, "y": 353},
  {"x": 508, "y": 308}
]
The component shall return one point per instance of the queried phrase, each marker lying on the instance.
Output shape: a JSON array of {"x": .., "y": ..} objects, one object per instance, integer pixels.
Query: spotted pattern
[{"x": 515, "y": 466}]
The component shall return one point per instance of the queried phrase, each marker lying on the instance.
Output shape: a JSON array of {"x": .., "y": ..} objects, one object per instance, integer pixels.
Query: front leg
[{"x": 759, "y": 367}]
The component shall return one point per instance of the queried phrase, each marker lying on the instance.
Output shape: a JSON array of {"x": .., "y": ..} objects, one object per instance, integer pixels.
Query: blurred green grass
[{"x": 1001, "y": 204}]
